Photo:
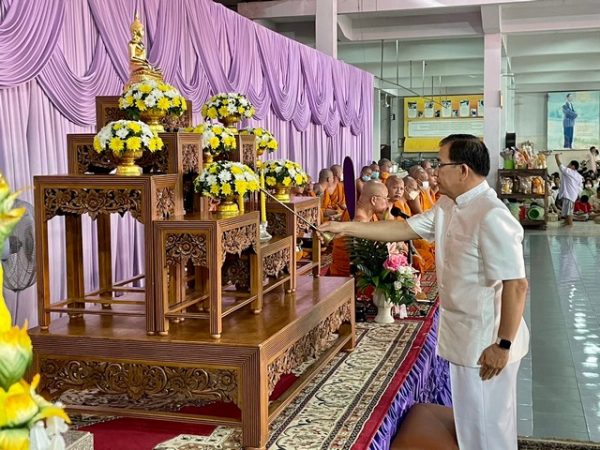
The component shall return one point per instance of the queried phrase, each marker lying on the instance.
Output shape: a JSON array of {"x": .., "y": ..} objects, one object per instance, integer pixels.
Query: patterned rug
[{"x": 526, "y": 443}]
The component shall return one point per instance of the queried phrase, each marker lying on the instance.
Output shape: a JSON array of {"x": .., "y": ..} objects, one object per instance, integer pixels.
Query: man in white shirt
[
  {"x": 482, "y": 289},
  {"x": 571, "y": 183}
]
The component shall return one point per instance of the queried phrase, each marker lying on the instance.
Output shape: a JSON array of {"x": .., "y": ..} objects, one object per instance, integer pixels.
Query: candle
[
  {"x": 241, "y": 203},
  {"x": 263, "y": 198}
]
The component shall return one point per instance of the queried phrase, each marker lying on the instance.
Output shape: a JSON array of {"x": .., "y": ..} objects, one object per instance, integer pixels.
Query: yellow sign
[{"x": 427, "y": 120}]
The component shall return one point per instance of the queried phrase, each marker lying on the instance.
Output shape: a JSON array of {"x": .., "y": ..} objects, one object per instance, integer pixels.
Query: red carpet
[{"x": 142, "y": 434}]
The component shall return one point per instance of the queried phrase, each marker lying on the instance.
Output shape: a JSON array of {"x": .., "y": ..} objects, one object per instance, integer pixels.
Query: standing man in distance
[
  {"x": 569, "y": 116},
  {"x": 482, "y": 288},
  {"x": 571, "y": 184}
]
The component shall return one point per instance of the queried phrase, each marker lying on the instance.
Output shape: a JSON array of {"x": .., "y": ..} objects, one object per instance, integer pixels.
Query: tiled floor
[{"x": 559, "y": 381}]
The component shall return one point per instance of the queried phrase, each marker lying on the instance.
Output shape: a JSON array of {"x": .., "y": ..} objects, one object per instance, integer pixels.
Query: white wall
[{"x": 530, "y": 125}]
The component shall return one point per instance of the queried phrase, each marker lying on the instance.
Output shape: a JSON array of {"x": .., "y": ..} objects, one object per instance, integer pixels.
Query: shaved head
[
  {"x": 395, "y": 187},
  {"x": 374, "y": 196},
  {"x": 324, "y": 175},
  {"x": 337, "y": 171}
]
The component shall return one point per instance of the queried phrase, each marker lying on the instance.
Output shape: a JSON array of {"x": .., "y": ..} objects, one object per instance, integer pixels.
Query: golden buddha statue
[{"x": 139, "y": 67}]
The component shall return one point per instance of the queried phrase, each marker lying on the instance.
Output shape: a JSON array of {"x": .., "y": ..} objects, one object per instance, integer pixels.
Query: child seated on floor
[{"x": 582, "y": 209}]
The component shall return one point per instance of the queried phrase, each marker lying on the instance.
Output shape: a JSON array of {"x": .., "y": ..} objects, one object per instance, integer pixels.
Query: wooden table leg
[
  {"x": 104, "y": 257},
  {"x": 255, "y": 404},
  {"x": 74, "y": 261},
  {"x": 215, "y": 275},
  {"x": 42, "y": 260},
  {"x": 256, "y": 281}
]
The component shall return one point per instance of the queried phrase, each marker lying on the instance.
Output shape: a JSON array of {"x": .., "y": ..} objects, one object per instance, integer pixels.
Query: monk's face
[
  {"x": 385, "y": 167},
  {"x": 433, "y": 181},
  {"x": 337, "y": 173},
  {"x": 411, "y": 189},
  {"x": 396, "y": 189},
  {"x": 379, "y": 199}
]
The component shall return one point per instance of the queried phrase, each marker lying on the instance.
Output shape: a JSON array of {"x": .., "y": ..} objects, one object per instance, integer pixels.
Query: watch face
[{"x": 504, "y": 343}]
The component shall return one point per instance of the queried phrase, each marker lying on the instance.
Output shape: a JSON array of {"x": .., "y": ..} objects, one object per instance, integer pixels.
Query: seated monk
[
  {"x": 375, "y": 171},
  {"x": 371, "y": 206},
  {"x": 434, "y": 187},
  {"x": 426, "y": 427},
  {"x": 365, "y": 176},
  {"x": 384, "y": 168},
  {"x": 411, "y": 195},
  {"x": 328, "y": 209},
  {"x": 422, "y": 179},
  {"x": 423, "y": 258},
  {"x": 336, "y": 189}
]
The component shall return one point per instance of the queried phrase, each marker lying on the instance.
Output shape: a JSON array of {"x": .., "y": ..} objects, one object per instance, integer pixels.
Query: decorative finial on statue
[{"x": 139, "y": 67}]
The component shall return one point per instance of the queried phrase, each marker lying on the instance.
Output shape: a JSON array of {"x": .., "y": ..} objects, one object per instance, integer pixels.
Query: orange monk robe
[
  {"x": 437, "y": 195},
  {"x": 425, "y": 200},
  {"x": 340, "y": 264},
  {"x": 336, "y": 200},
  {"x": 384, "y": 176},
  {"x": 425, "y": 259}
]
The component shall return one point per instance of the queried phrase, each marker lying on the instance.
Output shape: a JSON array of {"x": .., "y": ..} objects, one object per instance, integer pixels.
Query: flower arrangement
[
  {"x": 123, "y": 135},
  {"x": 217, "y": 138},
  {"x": 384, "y": 267},
  {"x": 222, "y": 179},
  {"x": 152, "y": 95},
  {"x": 23, "y": 412},
  {"x": 227, "y": 104},
  {"x": 265, "y": 142},
  {"x": 284, "y": 172}
]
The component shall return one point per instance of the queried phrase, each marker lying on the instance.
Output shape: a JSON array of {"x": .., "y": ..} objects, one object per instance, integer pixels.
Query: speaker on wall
[{"x": 510, "y": 140}]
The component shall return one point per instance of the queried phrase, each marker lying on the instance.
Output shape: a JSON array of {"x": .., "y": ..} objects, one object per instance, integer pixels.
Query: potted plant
[
  {"x": 151, "y": 101},
  {"x": 385, "y": 268},
  {"x": 225, "y": 180},
  {"x": 265, "y": 142},
  {"x": 228, "y": 108},
  {"x": 282, "y": 175}
]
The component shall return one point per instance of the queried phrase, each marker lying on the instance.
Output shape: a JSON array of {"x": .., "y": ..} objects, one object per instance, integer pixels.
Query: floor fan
[{"x": 18, "y": 255}]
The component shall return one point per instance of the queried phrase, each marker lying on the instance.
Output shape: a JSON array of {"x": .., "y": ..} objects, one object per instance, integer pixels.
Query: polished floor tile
[{"x": 559, "y": 383}]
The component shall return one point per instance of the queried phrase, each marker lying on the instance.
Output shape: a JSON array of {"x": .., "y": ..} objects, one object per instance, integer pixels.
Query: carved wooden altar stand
[{"x": 130, "y": 343}]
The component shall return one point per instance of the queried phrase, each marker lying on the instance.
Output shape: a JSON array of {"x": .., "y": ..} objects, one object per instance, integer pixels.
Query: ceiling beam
[
  {"x": 295, "y": 8},
  {"x": 491, "y": 19}
]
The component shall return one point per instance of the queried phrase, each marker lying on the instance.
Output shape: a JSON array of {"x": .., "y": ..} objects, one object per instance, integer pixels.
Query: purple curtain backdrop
[{"x": 57, "y": 56}]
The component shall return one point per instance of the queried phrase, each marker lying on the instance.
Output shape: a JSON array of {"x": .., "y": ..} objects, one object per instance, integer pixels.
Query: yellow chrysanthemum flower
[
  {"x": 212, "y": 169},
  {"x": 16, "y": 352},
  {"x": 211, "y": 113},
  {"x": 14, "y": 439},
  {"x": 217, "y": 130},
  {"x": 214, "y": 142},
  {"x": 135, "y": 127},
  {"x": 258, "y": 132},
  {"x": 139, "y": 104},
  {"x": 176, "y": 101},
  {"x": 229, "y": 141},
  {"x": 271, "y": 181},
  {"x": 163, "y": 87},
  {"x": 214, "y": 189},
  {"x": 183, "y": 104},
  {"x": 287, "y": 181},
  {"x": 97, "y": 145},
  {"x": 241, "y": 110},
  {"x": 134, "y": 143},
  {"x": 163, "y": 103},
  {"x": 272, "y": 144},
  {"x": 116, "y": 144},
  {"x": 128, "y": 100},
  {"x": 241, "y": 186},
  {"x": 198, "y": 129},
  {"x": 236, "y": 170},
  {"x": 145, "y": 88},
  {"x": 223, "y": 111},
  {"x": 226, "y": 189},
  {"x": 116, "y": 126},
  {"x": 299, "y": 180}
]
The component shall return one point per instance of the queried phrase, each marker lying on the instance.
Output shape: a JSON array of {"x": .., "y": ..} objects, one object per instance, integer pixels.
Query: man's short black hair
[
  {"x": 584, "y": 199},
  {"x": 569, "y": 94},
  {"x": 555, "y": 175},
  {"x": 470, "y": 150},
  {"x": 575, "y": 164}
]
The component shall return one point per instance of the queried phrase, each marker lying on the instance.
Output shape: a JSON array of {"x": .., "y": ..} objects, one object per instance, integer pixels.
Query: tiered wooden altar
[{"x": 218, "y": 316}]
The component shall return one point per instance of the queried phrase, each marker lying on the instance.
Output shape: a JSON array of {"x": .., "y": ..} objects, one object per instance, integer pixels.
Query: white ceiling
[{"x": 550, "y": 45}]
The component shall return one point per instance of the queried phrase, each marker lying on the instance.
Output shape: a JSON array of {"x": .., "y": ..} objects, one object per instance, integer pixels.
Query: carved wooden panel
[
  {"x": 275, "y": 263},
  {"x": 89, "y": 160},
  {"x": 237, "y": 240},
  {"x": 60, "y": 201},
  {"x": 182, "y": 247},
  {"x": 138, "y": 381},
  {"x": 311, "y": 345},
  {"x": 311, "y": 215},
  {"x": 277, "y": 223},
  {"x": 157, "y": 162},
  {"x": 165, "y": 202}
]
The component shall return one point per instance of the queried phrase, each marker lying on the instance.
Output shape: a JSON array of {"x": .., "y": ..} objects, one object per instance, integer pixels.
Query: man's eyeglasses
[{"x": 440, "y": 165}]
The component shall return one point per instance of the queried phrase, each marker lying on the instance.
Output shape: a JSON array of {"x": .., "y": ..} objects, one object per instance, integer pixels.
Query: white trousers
[{"x": 485, "y": 412}]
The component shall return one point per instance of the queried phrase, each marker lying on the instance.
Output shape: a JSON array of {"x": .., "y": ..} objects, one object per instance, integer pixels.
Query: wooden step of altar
[{"x": 113, "y": 357}]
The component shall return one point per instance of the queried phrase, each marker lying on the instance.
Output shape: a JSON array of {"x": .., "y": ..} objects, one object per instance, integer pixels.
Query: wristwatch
[{"x": 503, "y": 343}]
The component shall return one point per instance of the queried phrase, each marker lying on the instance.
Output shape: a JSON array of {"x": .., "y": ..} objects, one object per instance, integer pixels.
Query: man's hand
[
  {"x": 333, "y": 227},
  {"x": 492, "y": 360}
]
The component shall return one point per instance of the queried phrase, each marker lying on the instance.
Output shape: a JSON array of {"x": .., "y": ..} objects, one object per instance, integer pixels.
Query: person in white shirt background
[
  {"x": 482, "y": 290},
  {"x": 571, "y": 184}
]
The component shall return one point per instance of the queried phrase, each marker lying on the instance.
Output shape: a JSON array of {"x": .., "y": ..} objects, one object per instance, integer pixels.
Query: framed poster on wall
[{"x": 573, "y": 120}]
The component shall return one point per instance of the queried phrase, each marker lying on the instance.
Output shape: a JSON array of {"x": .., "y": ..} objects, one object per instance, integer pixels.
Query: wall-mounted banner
[
  {"x": 427, "y": 120},
  {"x": 573, "y": 120}
]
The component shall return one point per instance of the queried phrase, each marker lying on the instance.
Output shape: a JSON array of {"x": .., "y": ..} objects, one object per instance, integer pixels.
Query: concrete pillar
[
  {"x": 492, "y": 90},
  {"x": 326, "y": 27},
  {"x": 376, "y": 124}
]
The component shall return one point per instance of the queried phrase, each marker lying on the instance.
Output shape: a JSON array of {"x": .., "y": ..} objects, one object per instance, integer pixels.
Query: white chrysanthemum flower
[
  {"x": 278, "y": 169},
  {"x": 150, "y": 101},
  {"x": 243, "y": 102},
  {"x": 145, "y": 140},
  {"x": 137, "y": 95},
  {"x": 171, "y": 93},
  {"x": 225, "y": 176},
  {"x": 231, "y": 109},
  {"x": 157, "y": 93},
  {"x": 122, "y": 132},
  {"x": 211, "y": 179}
]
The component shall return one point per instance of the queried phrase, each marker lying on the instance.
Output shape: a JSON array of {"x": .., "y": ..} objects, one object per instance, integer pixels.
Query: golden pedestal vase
[
  {"x": 153, "y": 117},
  {"x": 126, "y": 165}
]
